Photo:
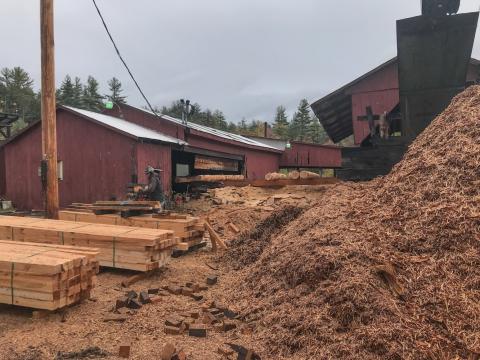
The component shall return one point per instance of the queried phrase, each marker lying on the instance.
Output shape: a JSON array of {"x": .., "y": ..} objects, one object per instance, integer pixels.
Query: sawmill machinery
[
  {"x": 440, "y": 7},
  {"x": 434, "y": 52}
]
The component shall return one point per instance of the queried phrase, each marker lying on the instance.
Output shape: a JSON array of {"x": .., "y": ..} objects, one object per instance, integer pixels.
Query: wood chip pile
[{"x": 388, "y": 269}]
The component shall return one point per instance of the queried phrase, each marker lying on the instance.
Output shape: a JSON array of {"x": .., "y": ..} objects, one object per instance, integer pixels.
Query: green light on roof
[{"x": 109, "y": 105}]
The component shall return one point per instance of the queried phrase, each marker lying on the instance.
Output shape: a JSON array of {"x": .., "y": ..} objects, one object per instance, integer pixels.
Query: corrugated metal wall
[
  {"x": 3, "y": 179},
  {"x": 258, "y": 162},
  {"x": 98, "y": 163},
  {"x": 22, "y": 159},
  {"x": 309, "y": 155}
]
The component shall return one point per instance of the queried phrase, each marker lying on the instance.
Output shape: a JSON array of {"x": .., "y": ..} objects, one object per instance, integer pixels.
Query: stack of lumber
[
  {"x": 309, "y": 175},
  {"x": 122, "y": 247},
  {"x": 188, "y": 229},
  {"x": 46, "y": 277},
  {"x": 275, "y": 176},
  {"x": 209, "y": 178},
  {"x": 121, "y": 207}
]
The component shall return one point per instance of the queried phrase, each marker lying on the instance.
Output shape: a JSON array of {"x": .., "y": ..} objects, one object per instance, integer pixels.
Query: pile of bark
[{"x": 388, "y": 269}]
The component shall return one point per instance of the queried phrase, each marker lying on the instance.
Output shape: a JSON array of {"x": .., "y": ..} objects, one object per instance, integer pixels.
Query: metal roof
[
  {"x": 126, "y": 126},
  {"x": 208, "y": 130}
]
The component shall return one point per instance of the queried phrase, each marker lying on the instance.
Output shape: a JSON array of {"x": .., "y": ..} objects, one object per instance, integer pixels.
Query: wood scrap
[{"x": 214, "y": 236}]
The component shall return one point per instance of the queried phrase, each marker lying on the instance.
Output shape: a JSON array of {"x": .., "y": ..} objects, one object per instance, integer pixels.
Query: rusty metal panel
[{"x": 433, "y": 56}]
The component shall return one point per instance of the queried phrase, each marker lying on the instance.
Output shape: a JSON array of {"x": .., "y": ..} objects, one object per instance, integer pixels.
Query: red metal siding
[
  {"x": 158, "y": 156},
  {"x": 258, "y": 162},
  {"x": 22, "y": 159},
  {"x": 97, "y": 163},
  {"x": 314, "y": 156},
  {"x": 2, "y": 173},
  {"x": 380, "y": 91}
]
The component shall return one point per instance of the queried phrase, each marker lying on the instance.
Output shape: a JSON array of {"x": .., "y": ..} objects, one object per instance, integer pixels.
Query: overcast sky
[{"x": 244, "y": 57}]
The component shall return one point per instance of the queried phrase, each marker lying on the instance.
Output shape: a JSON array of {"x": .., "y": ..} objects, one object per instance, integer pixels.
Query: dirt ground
[{"x": 82, "y": 326}]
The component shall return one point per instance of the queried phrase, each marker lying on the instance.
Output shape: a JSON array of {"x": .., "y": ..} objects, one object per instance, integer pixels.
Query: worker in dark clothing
[{"x": 153, "y": 190}]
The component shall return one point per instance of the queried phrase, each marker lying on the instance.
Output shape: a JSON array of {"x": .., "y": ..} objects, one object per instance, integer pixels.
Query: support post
[{"x": 49, "y": 119}]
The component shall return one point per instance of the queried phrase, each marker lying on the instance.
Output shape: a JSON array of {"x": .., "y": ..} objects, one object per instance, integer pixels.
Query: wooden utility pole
[{"x": 49, "y": 117}]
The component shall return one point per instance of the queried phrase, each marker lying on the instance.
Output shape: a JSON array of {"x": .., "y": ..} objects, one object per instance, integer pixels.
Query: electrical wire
[{"x": 122, "y": 60}]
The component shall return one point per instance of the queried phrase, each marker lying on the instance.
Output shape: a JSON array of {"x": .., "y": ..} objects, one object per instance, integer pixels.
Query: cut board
[
  {"x": 133, "y": 248},
  {"x": 43, "y": 276}
]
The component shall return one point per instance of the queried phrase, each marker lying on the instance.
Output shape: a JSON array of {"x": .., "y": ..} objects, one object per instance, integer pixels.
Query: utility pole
[{"x": 49, "y": 117}]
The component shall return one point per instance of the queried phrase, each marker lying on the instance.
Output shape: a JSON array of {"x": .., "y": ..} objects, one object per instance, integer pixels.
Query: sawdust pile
[{"x": 388, "y": 269}]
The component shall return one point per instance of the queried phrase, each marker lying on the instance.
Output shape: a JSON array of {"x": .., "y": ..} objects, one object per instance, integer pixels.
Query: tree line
[
  {"x": 17, "y": 95},
  {"x": 303, "y": 126}
]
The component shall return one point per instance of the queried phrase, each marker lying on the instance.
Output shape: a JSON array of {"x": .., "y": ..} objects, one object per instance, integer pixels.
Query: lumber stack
[
  {"x": 125, "y": 208},
  {"x": 46, "y": 277},
  {"x": 122, "y": 247},
  {"x": 188, "y": 229},
  {"x": 209, "y": 178}
]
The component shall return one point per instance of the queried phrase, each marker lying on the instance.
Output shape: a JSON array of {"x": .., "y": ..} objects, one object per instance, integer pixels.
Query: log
[
  {"x": 294, "y": 175},
  {"x": 277, "y": 176},
  {"x": 309, "y": 175}
]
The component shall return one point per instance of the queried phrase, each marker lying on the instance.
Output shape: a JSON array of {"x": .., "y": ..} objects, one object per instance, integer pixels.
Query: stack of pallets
[
  {"x": 188, "y": 229},
  {"x": 121, "y": 247},
  {"x": 45, "y": 277}
]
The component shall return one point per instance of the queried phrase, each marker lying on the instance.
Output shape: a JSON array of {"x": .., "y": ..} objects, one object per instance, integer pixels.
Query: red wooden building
[
  {"x": 340, "y": 111},
  {"x": 98, "y": 157},
  {"x": 100, "y": 154}
]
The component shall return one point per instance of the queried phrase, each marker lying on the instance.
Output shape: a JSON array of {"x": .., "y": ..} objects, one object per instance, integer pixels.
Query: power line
[{"x": 121, "y": 58}]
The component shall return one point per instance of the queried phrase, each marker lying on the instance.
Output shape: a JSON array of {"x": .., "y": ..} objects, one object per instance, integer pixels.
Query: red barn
[
  {"x": 340, "y": 111},
  {"x": 342, "y": 114},
  {"x": 98, "y": 156},
  {"x": 260, "y": 155}
]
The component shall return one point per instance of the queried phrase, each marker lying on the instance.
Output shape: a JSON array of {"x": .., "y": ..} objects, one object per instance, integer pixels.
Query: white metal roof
[
  {"x": 128, "y": 127},
  {"x": 216, "y": 132}
]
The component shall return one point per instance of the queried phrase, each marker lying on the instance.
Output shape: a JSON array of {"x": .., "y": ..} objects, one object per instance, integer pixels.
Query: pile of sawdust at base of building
[{"x": 388, "y": 269}]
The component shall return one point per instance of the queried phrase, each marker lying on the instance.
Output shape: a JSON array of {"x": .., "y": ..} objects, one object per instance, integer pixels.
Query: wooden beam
[{"x": 49, "y": 119}]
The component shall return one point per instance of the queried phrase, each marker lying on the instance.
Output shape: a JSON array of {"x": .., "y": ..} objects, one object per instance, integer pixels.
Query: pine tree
[
  {"x": 77, "y": 93},
  {"x": 232, "y": 127},
  {"x": 66, "y": 93},
  {"x": 219, "y": 121},
  {"x": 300, "y": 124},
  {"x": 317, "y": 134},
  {"x": 17, "y": 94},
  {"x": 91, "y": 99},
  {"x": 280, "y": 123},
  {"x": 115, "y": 87},
  {"x": 243, "y": 127}
]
